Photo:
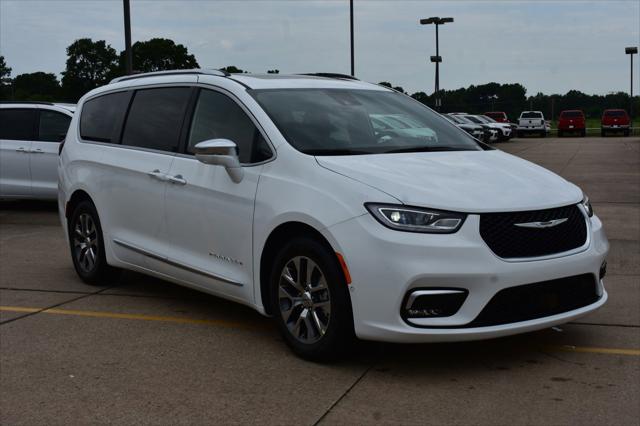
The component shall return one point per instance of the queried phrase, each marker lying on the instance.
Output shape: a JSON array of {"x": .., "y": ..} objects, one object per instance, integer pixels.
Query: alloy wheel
[
  {"x": 304, "y": 299},
  {"x": 85, "y": 242}
]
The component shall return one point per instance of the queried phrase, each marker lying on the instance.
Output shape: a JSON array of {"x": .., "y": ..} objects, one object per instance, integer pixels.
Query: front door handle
[
  {"x": 21, "y": 149},
  {"x": 177, "y": 179},
  {"x": 157, "y": 174}
]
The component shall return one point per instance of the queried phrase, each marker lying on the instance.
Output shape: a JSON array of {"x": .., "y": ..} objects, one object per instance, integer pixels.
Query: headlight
[
  {"x": 416, "y": 219},
  {"x": 587, "y": 206}
]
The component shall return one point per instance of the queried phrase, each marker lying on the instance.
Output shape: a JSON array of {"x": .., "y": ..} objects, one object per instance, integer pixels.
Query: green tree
[
  {"x": 232, "y": 69},
  {"x": 36, "y": 86},
  {"x": 159, "y": 54},
  {"x": 5, "y": 80},
  {"x": 89, "y": 65}
]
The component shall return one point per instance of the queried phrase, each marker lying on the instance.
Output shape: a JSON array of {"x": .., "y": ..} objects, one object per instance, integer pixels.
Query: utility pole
[
  {"x": 127, "y": 38},
  {"x": 437, "y": 21},
  {"x": 353, "y": 71},
  {"x": 631, "y": 51}
]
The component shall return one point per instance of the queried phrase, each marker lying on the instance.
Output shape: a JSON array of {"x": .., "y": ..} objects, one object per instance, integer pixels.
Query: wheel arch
[
  {"x": 276, "y": 239},
  {"x": 76, "y": 198}
]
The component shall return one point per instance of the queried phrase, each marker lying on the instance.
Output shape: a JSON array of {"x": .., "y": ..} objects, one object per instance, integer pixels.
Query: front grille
[
  {"x": 538, "y": 300},
  {"x": 507, "y": 240}
]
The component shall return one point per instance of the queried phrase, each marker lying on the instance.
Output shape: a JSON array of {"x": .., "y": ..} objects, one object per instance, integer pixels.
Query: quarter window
[
  {"x": 102, "y": 117},
  {"x": 155, "y": 118},
  {"x": 53, "y": 126},
  {"x": 18, "y": 124},
  {"x": 216, "y": 116}
]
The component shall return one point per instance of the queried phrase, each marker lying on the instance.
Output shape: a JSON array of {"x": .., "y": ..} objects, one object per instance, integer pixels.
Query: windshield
[
  {"x": 487, "y": 119},
  {"x": 615, "y": 113},
  {"x": 474, "y": 119},
  {"x": 350, "y": 122}
]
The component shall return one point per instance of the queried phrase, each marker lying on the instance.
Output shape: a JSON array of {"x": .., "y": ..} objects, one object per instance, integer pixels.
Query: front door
[
  {"x": 17, "y": 132},
  {"x": 210, "y": 217}
]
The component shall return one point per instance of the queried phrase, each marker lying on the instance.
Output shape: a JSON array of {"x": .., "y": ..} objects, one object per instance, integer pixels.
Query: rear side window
[
  {"x": 102, "y": 117},
  {"x": 53, "y": 126},
  {"x": 218, "y": 117},
  {"x": 155, "y": 118},
  {"x": 18, "y": 124}
]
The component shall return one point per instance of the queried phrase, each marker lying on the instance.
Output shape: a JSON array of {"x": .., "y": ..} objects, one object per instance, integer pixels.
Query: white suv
[
  {"x": 30, "y": 136},
  {"x": 280, "y": 193}
]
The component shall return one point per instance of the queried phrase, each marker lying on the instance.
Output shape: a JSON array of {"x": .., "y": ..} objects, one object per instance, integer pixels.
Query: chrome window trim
[
  {"x": 207, "y": 86},
  {"x": 164, "y": 259}
]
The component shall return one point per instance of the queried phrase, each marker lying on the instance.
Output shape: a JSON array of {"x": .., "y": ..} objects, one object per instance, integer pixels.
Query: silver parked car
[{"x": 30, "y": 138}]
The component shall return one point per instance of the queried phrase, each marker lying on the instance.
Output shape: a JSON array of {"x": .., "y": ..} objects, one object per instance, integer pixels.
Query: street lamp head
[
  {"x": 435, "y": 20},
  {"x": 630, "y": 50}
]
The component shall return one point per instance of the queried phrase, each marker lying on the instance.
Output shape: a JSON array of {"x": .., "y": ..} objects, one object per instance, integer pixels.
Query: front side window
[
  {"x": 155, "y": 118},
  {"x": 216, "y": 116},
  {"x": 18, "y": 124},
  {"x": 355, "y": 121},
  {"x": 102, "y": 116},
  {"x": 53, "y": 126}
]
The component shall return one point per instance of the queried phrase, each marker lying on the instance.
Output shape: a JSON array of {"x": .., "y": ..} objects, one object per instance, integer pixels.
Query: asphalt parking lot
[{"x": 147, "y": 351}]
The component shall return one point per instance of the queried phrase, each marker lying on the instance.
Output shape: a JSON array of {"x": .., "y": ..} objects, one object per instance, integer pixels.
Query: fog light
[{"x": 433, "y": 303}]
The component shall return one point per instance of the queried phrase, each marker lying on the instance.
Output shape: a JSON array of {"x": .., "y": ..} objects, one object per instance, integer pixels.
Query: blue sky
[{"x": 548, "y": 46}]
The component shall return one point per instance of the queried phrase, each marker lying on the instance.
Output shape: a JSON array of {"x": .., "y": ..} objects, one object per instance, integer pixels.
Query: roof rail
[
  {"x": 331, "y": 75},
  {"x": 27, "y": 102},
  {"x": 218, "y": 73}
]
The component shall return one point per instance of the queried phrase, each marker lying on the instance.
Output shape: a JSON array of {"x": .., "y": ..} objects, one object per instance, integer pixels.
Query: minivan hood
[{"x": 463, "y": 181}]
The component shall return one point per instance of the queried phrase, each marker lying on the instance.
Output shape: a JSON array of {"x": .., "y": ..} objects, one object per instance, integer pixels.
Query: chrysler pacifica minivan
[{"x": 286, "y": 194}]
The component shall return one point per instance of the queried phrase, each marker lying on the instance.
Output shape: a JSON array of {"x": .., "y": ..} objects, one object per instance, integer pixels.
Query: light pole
[
  {"x": 631, "y": 51},
  {"x": 437, "y": 21},
  {"x": 127, "y": 38},
  {"x": 353, "y": 71}
]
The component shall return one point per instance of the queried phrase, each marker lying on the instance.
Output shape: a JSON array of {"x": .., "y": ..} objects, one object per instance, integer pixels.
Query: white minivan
[{"x": 283, "y": 193}]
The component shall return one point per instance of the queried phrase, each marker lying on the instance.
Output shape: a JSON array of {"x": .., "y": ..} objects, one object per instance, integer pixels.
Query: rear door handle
[
  {"x": 37, "y": 151},
  {"x": 177, "y": 179},
  {"x": 157, "y": 174}
]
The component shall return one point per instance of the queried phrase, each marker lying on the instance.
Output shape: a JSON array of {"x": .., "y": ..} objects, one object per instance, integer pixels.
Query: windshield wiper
[
  {"x": 341, "y": 151},
  {"x": 426, "y": 149}
]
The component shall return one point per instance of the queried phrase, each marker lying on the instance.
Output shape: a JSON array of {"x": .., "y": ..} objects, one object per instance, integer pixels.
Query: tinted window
[
  {"x": 102, "y": 116},
  {"x": 615, "y": 113},
  {"x": 571, "y": 114},
  {"x": 531, "y": 115},
  {"x": 53, "y": 126},
  {"x": 18, "y": 124},
  {"x": 218, "y": 117},
  {"x": 155, "y": 118}
]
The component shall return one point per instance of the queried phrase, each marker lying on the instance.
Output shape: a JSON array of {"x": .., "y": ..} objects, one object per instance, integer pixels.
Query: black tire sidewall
[{"x": 339, "y": 333}]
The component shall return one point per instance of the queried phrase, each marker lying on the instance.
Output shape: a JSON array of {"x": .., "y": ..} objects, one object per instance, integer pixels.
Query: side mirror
[{"x": 221, "y": 152}]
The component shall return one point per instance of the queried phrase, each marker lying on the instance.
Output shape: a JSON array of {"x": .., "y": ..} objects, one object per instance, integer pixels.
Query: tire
[
  {"x": 318, "y": 325},
  {"x": 543, "y": 134},
  {"x": 559, "y": 133},
  {"x": 627, "y": 132},
  {"x": 603, "y": 133},
  {"x": 583, "y": 133},
  {"x": 520, "y": 134},
  {"x": 87, "y": 246}
]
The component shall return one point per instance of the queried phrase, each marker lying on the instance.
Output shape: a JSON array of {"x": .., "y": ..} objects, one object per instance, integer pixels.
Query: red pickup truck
[
  {"x": 615, "y": 120},
  {"x": 499, "y": 116},
  {"x": 572, "y": 121}
]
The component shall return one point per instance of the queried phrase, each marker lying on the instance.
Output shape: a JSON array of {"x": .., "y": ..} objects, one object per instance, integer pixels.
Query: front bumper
[{"x": 385, "y": 264}]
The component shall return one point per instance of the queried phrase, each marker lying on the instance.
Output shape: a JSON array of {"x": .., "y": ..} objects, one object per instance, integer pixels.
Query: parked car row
[
  {"x": 482, "y": 127},
  {"x": 569, "y": 122}
]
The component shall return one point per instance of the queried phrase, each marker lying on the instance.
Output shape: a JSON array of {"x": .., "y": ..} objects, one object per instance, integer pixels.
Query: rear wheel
[
  {"x": 583, "y": 133},
  {"x": 627, "y": 132},
  {"x": 87, "y": 246},
  {"x": 559, "y": 133},
  {"x": 602, "y": 133},
  {"x": 310, "y": 300}
]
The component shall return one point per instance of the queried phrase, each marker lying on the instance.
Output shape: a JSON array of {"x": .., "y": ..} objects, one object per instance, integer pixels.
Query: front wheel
[
  {"x": 87, "y": 246},
  {"x": 310, "y": 301}
]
